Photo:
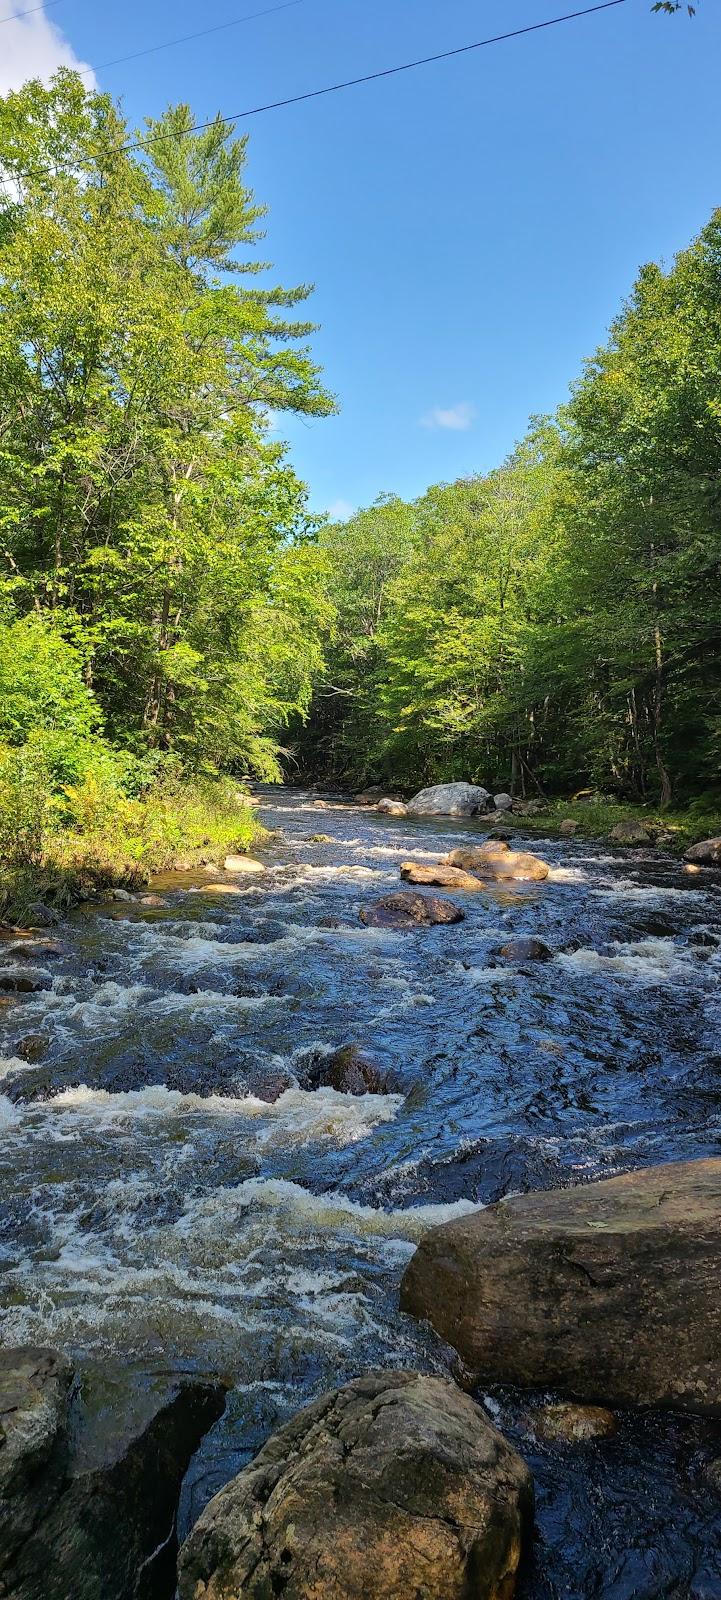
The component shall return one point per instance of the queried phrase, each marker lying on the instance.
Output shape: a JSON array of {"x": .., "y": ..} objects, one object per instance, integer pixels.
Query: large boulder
[
  {"x": 408, "y": 910},
  {"x": 450, "y": 800},
  {"x": 392, "y": 808},
  {"x": 440, "y": 876},
  {"x": 630, "y": 832},
  {"x": 393, "y": 1487},
  {"x": 705, "y": 854},
  {"x": 88, "y": 1500},
  {"x": 606, "y": 1292},
  {"x": 495, "y": 860}
]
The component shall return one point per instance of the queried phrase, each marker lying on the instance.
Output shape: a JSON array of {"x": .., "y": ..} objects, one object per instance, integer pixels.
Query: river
[{"x": 156, "y": 1213}]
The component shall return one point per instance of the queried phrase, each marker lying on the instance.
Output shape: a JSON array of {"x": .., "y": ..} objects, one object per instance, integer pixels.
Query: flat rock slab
[
  {"x": 442, "y": 877},
  {"x": 450, "y": 800},
  {"x": 88, "y": 1499},
  {"x": 408, "y": 910},
  {"x": 607, "y": 1292},
  {"x": 391, "y": 1488}
]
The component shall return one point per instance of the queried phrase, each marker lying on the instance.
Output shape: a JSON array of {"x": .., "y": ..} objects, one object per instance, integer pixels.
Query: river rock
[
  {"x": 242, "y": 864},
  {"x": 407, "y": 910},
  {"x": 442, "y": 877},
  {"x": 526, "y": 950},
  {"x": 495, "y": 859},
  {"x": 568, "y": 827},
  {"x": 89, "y": 1513},
  {"x": 392, "y": 808},
  {"x": 607, "y": 1292},
  {"x": 503, "y": 802},
  {"x": 24, "y": 982},
  {"x": 348, "y": 1070},
  {"x": 573, "y": 1424},
  {"x": 370, "y": 796},
  {"x": 629, "y": 832},
  {"x": 450, "y": 800},
  {"x": 705, "y": 854},
  {"x": 394, "y": 1487}
]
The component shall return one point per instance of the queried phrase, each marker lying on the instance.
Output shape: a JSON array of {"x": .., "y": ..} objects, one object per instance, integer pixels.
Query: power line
[
  {"x": 15, "y": 16},
  {"x": 386, "y": 72},
  {"x": 187, "y": 37}
]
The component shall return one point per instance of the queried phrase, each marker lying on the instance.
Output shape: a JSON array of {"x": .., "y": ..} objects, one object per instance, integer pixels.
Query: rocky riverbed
[{"x": 185, "y": 1190}]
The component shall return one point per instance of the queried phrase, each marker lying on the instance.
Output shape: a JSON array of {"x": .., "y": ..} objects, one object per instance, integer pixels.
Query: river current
[{"x": 156, "y": 1213}]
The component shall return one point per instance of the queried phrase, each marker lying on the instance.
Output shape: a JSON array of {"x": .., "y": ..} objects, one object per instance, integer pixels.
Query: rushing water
[{"x": 156, "y": 1212}]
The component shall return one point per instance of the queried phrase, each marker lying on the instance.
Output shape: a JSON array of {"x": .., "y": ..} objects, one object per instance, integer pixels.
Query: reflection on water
[{"x": 156, "y": 1209}]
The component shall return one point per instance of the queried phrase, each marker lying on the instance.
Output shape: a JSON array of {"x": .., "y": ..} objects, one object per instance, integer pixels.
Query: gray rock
[
  {"x": 450, "y": 800},
  {"x": 705, "y": 854},
  {"x": 629, "y": 832},
  {"x": 391, "y": 1488},
  {"x": 568, "y": 827},
  {"x": 503, "y": 802},
  {"x": 571, "y": 1424},
  {"x": 89, "y": 1486},
  {"x": 526, "y": 950},
  {"x": 607, "y": 1292}
]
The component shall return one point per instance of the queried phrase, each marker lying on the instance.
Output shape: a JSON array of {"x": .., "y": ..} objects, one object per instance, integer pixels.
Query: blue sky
[{"x": 470, "y": 227}]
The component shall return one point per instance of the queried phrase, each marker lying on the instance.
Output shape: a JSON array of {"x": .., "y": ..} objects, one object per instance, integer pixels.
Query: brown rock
[
  {"x": 443, "y": 877},
  {"x": 495, "y": 860},
  {"x": 526, "y": 950},
  {"x": 705, "y": 854},
  {"x": 349, "y": 1071},
  {"x": 568, "y": 827},
  {"x": 391, "y": 1488},
  {"x": 407, "y": 910},
  {"x": 392, "y": 808},
  {"x": 242, "y": 864},
  {"x": 629, "y": 832},
  {"x": 573, "y": 1424},
  {"x": 607, "y": 1292}
]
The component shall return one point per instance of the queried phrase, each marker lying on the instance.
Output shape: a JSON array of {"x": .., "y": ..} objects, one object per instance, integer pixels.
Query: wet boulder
[
  {"x": 495, "y": 860},
  {"x": 243, "y": 864},
  {"x": 629, "y": 832},
  {"x": 23, "y": 981},
  {"x": 395, "y": 1485},
  {"x": 348, "y": 1070},
  {"x": 392, "y": 808},
  {"x": 88, "y": 1503},
  {"x": 607, "y": 1292},
  {"x": 526, "y": 950},
  {"x": 570, "y": 1424},
  {"x": 450, "y": 800},
  {"x": 407, "y": 910},
  {"x": 440, "y": 876},
  {"x": 705, "y": 854}
]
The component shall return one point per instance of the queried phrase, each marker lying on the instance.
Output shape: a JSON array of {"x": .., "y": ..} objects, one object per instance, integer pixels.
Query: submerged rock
[
  {"x": 349, "y": 1071},
  {"x": 495, "y": 859},
  {"x": 442, "y": 877},
  {"x": 390, "y": 1488},
  {"x": 526, "y": 950},
  {"x": 450, "y": 800},
  {"x": 88, "y": 1511},
  {"x": 706, "y": 854},
  {"x": 573, "y": 1424},
  {"x": 606, "y": 1292},
  {"x": 407, "y": 910}
]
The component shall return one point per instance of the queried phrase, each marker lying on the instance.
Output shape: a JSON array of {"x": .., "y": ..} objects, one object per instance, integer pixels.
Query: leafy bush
[{"x": 25, "y": 807}]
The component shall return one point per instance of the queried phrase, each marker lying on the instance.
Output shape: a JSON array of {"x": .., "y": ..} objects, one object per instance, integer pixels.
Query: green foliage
[
  {"x": 556, "y": 621},
  {"x": 25, "y": 807}
]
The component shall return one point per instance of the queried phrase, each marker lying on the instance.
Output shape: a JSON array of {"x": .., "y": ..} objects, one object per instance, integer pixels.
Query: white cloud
[
  {"x": 457, "y": 418},
  {"x": 340, "y": 510},
  {"x": 32, "y": 47}
]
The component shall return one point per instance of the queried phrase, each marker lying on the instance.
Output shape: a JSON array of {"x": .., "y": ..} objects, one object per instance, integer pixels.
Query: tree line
[{"x": 554, "y": 622}]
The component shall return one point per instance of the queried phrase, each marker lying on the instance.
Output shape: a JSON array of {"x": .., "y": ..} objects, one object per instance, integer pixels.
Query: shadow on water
[{"x": 175, "y": 1193}]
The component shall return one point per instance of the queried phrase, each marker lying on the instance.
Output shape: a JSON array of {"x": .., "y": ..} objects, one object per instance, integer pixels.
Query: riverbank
[
  {"x": 112, "y": 841},
  {"x": 672, "y": 831}
]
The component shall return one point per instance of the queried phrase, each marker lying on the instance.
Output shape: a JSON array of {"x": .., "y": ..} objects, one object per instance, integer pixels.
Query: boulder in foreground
[
  {"x": 440, "y": 876},
  {"x": 408, "y": 910},
  {"x": 393, "y": 1487},
  {"x": 450, "y": 800},
  {"x": 89, "y": 1511},
  {"x": 705, "y": 854},
  {"x": 607, "y": 1292}
]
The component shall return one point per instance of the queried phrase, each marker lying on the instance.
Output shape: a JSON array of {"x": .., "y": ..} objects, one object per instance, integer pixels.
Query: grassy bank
[
  {"x": 62, "y": 844},
  {"x": 673, "y": 830}
]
